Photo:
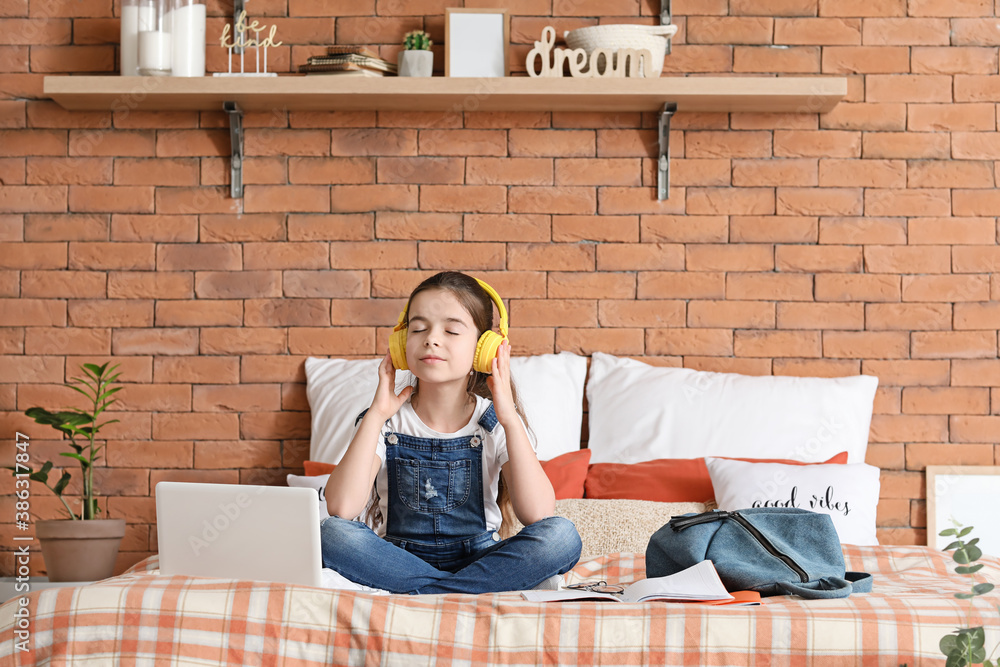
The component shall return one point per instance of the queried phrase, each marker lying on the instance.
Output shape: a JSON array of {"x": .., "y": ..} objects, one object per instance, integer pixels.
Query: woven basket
[{"x": 623, "y": 36}]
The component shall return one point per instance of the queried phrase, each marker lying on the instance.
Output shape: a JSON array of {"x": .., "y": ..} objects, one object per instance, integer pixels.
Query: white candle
[
  {"x": 134, "y": 19},
  {"x": 154, "y": 52},
  {"x": 188, "y": 31}
]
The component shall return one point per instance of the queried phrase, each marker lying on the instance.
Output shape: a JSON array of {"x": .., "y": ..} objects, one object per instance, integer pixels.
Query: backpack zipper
[
  {"x": 680, "y": 523},
  {"x": 770, "y": 548}
]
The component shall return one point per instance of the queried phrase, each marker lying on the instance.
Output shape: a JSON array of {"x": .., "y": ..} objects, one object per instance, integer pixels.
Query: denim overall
[
  {"x": 435, "y": 506},
  {"x": 436, "y": 537}
]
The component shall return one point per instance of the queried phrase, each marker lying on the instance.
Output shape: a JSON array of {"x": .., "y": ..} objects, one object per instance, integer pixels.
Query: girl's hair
[{"x": 478, "y": 303}]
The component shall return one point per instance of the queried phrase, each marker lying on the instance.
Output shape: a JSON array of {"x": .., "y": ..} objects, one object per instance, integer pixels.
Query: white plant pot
[{"x": 416, "y": 63}]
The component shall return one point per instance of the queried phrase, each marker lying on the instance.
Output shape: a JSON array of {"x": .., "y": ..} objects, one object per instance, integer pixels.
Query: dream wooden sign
[{"x": 544, "y": 61}]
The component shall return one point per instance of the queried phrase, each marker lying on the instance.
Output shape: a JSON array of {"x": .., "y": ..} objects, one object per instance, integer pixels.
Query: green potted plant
[
  {"x": 966, "y": 646},
  {"x": 416, "y": 58},
  {"x": 82, "y": 547}
]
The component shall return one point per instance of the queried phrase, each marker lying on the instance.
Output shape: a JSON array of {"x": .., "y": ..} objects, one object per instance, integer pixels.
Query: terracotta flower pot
[{"x": 80, "y": 550}]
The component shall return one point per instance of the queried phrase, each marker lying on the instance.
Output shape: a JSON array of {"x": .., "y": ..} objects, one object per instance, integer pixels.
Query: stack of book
[{"x": 348, "y": 61}]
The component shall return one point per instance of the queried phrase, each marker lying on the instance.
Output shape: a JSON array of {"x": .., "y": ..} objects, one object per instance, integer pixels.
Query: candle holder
[
  {"x": 187, "y": 27},
  {"x": 136, "y": 16},
  {"x": 155, "y": 45}
]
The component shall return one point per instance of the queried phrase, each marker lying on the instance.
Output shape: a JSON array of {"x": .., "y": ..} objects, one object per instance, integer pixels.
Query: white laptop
[{"x": 239, "y": 531}]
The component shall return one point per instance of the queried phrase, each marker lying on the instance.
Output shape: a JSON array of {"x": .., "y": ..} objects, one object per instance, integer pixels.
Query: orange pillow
[
  {"x": 315, "y": 468},
  {"x": 664, "y": 480},
  {"x": 566, "y": 472}
]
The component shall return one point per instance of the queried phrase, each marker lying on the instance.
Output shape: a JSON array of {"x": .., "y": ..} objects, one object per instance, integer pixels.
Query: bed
[
  {"x": 648, "y": 435},
  {"x": 146, "y": 618}
]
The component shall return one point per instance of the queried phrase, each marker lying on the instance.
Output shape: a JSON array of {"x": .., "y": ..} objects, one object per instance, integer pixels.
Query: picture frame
[
  {"x": 970, "y": 495},
  {"x": 476, "y": 42}
]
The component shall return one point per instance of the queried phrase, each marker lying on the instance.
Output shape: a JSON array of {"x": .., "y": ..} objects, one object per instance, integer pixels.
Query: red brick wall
[{"x": 863, "y": 240}]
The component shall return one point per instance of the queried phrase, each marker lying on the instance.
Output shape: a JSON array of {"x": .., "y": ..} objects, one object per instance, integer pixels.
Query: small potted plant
[
  {"x": 416, "y": 58},
  {"x": 82, "y": 547}
]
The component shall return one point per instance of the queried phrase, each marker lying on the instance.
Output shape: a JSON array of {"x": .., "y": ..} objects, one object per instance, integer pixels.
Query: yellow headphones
[{"x": 486, "y": 349}]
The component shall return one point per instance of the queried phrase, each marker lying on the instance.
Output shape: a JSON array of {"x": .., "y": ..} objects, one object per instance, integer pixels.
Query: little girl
[{"x": 438, "y": 455}]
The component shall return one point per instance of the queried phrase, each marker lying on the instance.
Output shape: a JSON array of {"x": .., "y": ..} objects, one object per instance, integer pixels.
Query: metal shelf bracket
[
  {"x": 235, "y": 114},
  {"x": 666, "y": 18},
  {"x": 663, "y": 163}
]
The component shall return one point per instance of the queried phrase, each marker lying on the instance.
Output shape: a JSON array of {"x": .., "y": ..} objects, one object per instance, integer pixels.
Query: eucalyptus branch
[{"x": 966, "y": 646}]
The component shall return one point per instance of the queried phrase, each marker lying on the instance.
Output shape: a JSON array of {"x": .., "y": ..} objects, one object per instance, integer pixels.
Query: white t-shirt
[{"x": 494, "y": 446}]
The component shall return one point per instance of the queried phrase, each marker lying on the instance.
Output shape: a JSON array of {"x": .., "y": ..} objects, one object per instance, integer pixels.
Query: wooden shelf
[{"x": 331, "y": 93}]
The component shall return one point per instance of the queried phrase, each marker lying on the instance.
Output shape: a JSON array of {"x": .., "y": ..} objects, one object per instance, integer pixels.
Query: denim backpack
[{"x": 771, "y": 550}]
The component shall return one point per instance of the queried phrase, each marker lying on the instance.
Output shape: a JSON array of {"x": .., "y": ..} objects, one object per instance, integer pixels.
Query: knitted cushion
[{"x": 615, "y": 525}]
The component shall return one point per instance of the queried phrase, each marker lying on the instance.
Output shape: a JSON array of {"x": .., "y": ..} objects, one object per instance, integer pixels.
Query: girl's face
[{"x": 441, "y": 338}]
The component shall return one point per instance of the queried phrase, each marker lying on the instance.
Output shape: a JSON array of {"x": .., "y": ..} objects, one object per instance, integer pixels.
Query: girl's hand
[
  {"x": 386, "y": 402},
  {"x": 499, "y": 384}
]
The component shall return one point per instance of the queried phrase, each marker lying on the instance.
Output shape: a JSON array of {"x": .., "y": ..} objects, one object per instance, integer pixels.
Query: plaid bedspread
[{"x": 141, "y": 617}]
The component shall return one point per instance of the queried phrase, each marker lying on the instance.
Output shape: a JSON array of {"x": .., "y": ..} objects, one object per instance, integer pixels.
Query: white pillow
[
  {"x": 338, "y": 391},
  {"x": 549, "y": 386},
  {"x": 848, "y": 492},
  {"x": 640, "y": 413},
  {"x": 317, "y": 482},
  {"x": 550, "y": 391}
]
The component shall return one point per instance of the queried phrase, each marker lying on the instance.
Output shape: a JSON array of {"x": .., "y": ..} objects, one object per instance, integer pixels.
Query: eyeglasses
[{"x": 597, "y": 587}]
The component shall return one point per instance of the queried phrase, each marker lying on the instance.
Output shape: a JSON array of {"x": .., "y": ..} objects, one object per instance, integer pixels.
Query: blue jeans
[{"x": 478, "y": 565}]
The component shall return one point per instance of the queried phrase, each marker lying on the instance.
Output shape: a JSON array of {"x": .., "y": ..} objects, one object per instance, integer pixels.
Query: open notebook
[{"x": 698, "y": 583}]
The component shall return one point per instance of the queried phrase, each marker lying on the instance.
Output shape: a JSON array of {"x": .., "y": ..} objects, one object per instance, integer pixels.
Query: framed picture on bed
[
  {"x": 475, "y": 42},
  {"x": 969, "y": 495}
]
